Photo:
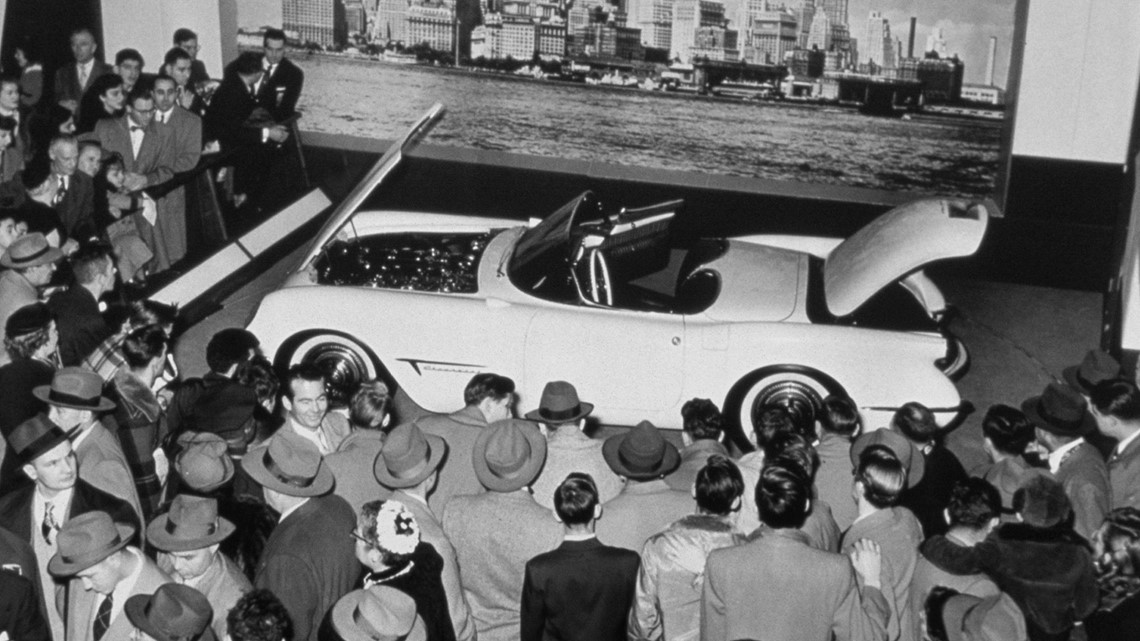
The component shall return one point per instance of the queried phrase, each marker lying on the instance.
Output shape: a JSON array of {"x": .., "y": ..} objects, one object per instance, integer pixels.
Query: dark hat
[
  {"x": 508, "y": 454},
  {"x": 85, "y": 540},
  {"x": 408, "y": 457},
  {"x": 289, "y": 464},
  {"x": 28, "y": 319},
  {"x": 192, "y": 523},
  {"x": 30, "y": 250},
  {"x": 76, "y": 388},
  {"x": 994, "y": 618},
  {"x": 1095, "y": 367},
  {"x": 36, "y": 172},
  {"x": 173, "y": 612},
  {"x": 559, "y": 404},
  {"x": 378, "y": 613},
  {"x": 1060, "y": 410},
  {"x": 34, "y": 437},
  {"x": 226, "y": 410},
  {"x": 902, "y": 447},
  {"x": 203, "y": 463},
  {"x": 641, "y": 453},
  {"x": 1042, "y": 502}
]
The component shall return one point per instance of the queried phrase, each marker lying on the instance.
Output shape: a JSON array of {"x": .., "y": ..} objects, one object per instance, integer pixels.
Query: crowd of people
[{"x": 102, "y": 152}]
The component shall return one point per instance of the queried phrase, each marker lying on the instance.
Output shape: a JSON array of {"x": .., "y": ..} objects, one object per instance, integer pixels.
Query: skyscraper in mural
[{"x": 319, "y": 21}]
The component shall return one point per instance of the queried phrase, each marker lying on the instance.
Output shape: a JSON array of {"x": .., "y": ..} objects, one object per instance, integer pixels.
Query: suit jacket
[
  {"x": 898, "y": 533},
  {"x": 310, "y": 562},
  {"x": 693, "y": 458},
  {"x": 928, "y": 498},
  {"x": 80, "y": 323},
  {"x": 351, "y": 465},
  {"x": 457, "y": 474},
  {"x": 20, "y": 616},
  {"x": 15, "y": 292},
  {"x": 77, "y": 209},
  {"x": 778, "y": 587},
  {"x": 494, "y": 535},
  {"x": 1124, "y": 475},
  {"x": 820, "y": 528},
  {"x": 229, "y": 109},
  {"x": 222, "y": 584},
  {"x": 81, "y": 604},
  {"x": 67, "y": 81},
  {"x": 833, "y": 479},
  {"x": 640, "y": 511},
  {"x": 431, "y": 532},
  {"x": 1085, "y": 478},
  {"x": 278, "y": 93},
  {"x": 16, "y": 509},
  {"x": 568, "y": 450},
  {"x": 580, "y": 590},
  {"x": 156, "y": 157},
  {"x": 17, "y": 556},
  {"x": 103, "y": 465}
]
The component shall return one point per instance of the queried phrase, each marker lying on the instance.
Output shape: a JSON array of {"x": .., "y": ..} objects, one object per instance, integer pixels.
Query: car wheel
[
  {"x": 796, "y": 388},
  {"x": 346, "y": 363}
]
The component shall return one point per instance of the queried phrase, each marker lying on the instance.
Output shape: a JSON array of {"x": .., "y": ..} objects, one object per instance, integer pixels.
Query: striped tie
[{"x": 102, "y": 618}]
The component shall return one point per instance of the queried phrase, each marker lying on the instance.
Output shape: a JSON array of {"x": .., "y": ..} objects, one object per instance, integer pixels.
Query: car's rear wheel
[
  {"x": 345, "y": 362},
  {"x": 798, "y": 389}
]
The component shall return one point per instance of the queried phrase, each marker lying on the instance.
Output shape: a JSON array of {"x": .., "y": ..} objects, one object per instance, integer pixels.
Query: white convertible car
[{"x": 637, "y": 318}]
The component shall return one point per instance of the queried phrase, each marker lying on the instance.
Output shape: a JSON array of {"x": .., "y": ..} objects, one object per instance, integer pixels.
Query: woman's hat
[
  {"x": 30, "y": 250},
  {"x": 289, "y": 465},
  {"x": 86, "y": 540},
  {"x": 76, "y": 388},
  {"x": 559, "y": 405},
  {"x": 192, "y": 523},
  {"x": 408, "y": 457},
  {"x": 172, "y": 613},
  {"x": 912, "y": 458},
  {"x": 508, "y": 454},
  {"x": 203, "y": 463},
  {"x": 378, "y": 613},
  {"x": 28, "y": 319},
  {"x": 641, "y": 453},
  {"x": 1060, "y": 410}
]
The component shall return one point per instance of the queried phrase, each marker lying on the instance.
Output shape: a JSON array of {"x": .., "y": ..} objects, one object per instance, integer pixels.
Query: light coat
[
  {"x": 457, "y": 474},
  {"x": 898, "y": 533},
  {"x": 1124, "y": 475},
  {"x": 1085, "y": 478},
  {"x": 170, "y": 231},
  {"x": 81, "y": 604},
  {"x": 640, "y": 511},
  {"x": 103, "y": 465},
  {"x": 222, "y": 585}
]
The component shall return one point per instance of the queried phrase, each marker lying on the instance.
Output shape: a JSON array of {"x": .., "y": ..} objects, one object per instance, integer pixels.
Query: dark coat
[
  {"x": 229, "y": 109},
  {"x": 1116, "y": 620},
  {"x": 930, "y": 496},
  {"x": 20, "y": 618},
  {"x": 310, "y": 562},
  {"x": 17, "y": 380},
  {"x": 579, "y": 590},
  {"x": 278, "y": 93},
  {"x": 67, "y": 81},
  {"x": 423, "y": 583},
  {"x": 17, "y": 555},
  {"x": 16, "y": 508},
  {"x": 77, "y": 209},
  {"x": 80, "y": 323}
]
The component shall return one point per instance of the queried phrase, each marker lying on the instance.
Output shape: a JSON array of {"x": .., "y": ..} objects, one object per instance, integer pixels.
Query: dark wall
[{"x": 48, "y": 23}]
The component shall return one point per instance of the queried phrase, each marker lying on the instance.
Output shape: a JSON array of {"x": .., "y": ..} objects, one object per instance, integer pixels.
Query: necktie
[
  {"x": 49, "y": 524},
  {"x": 102, "y": 618},
  {"x": 82, "y": 77},
  {"x": 61, "y": 192}
]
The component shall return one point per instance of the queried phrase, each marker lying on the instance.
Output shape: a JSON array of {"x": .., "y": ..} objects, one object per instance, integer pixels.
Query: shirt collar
[
  {"x": 86, "y": 66},
  {"x": 1058, "y": 455},
  {"x": 291, "y": 510},
  {"x": 60, "y": 501},
  {"x": 81, "y": 435},
  {"x": 581, "y": 536},
  {"x": 1126, "y": 442},
  {"x": 125, "y": 588}
]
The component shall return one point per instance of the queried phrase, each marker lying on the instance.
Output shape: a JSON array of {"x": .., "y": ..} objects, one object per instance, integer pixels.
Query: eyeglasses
[{"x": 356, "y": 535}]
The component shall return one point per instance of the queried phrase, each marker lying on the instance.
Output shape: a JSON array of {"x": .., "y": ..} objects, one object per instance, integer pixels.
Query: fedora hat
[
  {"x": 994, "y": 618},
  {"x": 378, "y": 613},
  {"x": 35, "y": 436},
  {"x": 76, "y": 388},
  {"x": 30, "y": 250},
  {"x": 641, "y": 453},
  {"x": 904, "y": 450},
  {"x": 86, "y": 540},
  {"x": 560, "y": 404},
  {"x": 408, "y": 457},
  {"x": 173, "y": 612},
  {"x": 1060, "y": 410},
  {"x": 289, "y": 465},
  {"x": 192, "y": 523},
  {"x": 508, "y": 454},
  {"x": 1095, "y": 367},
  {"x": 203, "y": 463},
  {"x": 28, "y": 319}
]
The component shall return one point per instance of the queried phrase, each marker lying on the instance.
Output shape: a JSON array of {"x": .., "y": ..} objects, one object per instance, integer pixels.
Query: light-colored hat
[
  {"x": 508, "y": 454},
  {"x": 30, "y": 250},
  {"x": 204, "y": 463},
  {"x": 86, "y": 540},
  {"x": 408, "y": 457},
  {"x": 378, "y": 613},
  {"x": 192, "y": 523},
  {"x": 76, "y": 388},
  {"x": 289, "y": 465}
]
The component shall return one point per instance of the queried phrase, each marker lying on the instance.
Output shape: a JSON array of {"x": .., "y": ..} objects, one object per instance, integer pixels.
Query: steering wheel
[{"x": 600, "y": 287}]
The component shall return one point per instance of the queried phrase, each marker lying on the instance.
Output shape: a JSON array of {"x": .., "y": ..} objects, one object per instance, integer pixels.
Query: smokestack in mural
[
  {"x": 990, "y": 61},
  {"x": 910, "y": 41}
]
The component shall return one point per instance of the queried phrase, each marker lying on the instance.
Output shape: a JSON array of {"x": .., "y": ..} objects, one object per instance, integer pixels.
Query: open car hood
[{"x": 899, "y": 242}]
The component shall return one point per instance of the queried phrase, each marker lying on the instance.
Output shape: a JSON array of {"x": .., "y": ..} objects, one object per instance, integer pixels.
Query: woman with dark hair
[
  {"x": 1006, "y": 433},
  {"x": 8, "y": 170},
  {"x": 42, "y": 127},
  {"x": 104, "y": 99},
  {"x": 31, "y": 74},
  {"x": 116, "y": 212},
  {"x": 1117, "y": 545}
]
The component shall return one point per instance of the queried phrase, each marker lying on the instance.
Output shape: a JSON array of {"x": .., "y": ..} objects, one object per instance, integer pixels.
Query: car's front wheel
[
  {"x": 798, "y": 389},
  {"x": 345, "y": 362}
]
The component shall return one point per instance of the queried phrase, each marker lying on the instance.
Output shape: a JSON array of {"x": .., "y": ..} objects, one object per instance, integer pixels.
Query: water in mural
[{"x": 814, "y": 144}]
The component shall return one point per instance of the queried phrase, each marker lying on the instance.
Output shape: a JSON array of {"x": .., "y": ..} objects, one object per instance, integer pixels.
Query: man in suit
[
  {"x": 20, "y": 618},
  {"x": 72, "y": 80},
  {"x": 129, "y": 65},
  {"x": 409, "y": 464},
  {"x": 103, "y": 571},
  {"x": 496, "y": 532},
  {"x": 188, "y": 536},
  {"x": 307, "y": 407},
  {"x": 779, "y": 587},
  {"x": 1061, "y": 418},
  {"x": 80, "y": 323},
  {"x": 74, "y": 199},
  {"x": 179, "y": 65},
  {"x": 12, "y": 155},
  {"x": 353, "y": 461},
  {"x": 35, "y": 513},
  {"x": 702, "y": 435},
  {"x": 30, "y": 263},
  {"x": 280, "y": 85},
  {"x": 186, "y": 136},
  {"x": 487, "y": 398},
  {"x": 187, "y": 40},
  {"x": 1116, "y": 409},
  {"x": 309, "y": 561},
  {"x": 583, "y": 589},
  {"x": 74, "y": 398}
]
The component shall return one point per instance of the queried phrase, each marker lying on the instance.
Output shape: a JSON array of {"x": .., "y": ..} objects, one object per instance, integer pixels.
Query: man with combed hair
[
  {"x": 71, "y": 80},
  {"x": 928, "y": 497},
  {"x": 1116, "y": 409},
  {"x": 307, "y": 405},
  {"x": 583, "y": 589},
  {"x": 668, "y": 601},
  {"x": 186, "y": 138},
  {"x": 187, "y": 40},
  {"x": 702, "y": 434},
  {"x": 280, "y": 85},
  {"x": 129, "y": 65},
  {"x": 779, "y": 587},
  {"x": 74, "y": 199},
  {"x": 1006, "y": 433},
  {"x": 839, "y": 423},
  {"x": 76, "y": 309}
]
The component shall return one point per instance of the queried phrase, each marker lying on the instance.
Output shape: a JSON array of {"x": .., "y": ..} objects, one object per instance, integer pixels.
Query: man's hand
[
  {"x": 134, "y": 182},
  {"x": 277, "y": 133},
  {"x": 69, "y": 247},
  {"x": 868, "y": 561}
]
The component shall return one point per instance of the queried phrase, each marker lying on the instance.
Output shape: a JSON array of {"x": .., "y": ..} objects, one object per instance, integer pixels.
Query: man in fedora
[
  {"x": 409, "y": 465},
  {"x": 1116, "y": 409},
  {"x": 173, "y": 613},
  {"x": 75, "y": 403},
  {"x": 568, "y": 448},
  {"x": 309, "y": 561},
  {"x": 1061, "y": 418},
  {"x": 647, "y": 504},
  {"x": 1096, "y": 366},
  {"x": 30, "y": 263},
  {"x": 104, "y": 572},
  {"x": 36, "y": 513},
  {"x": 496, "y": 532},
  {"x": 188, "y": 536},
  {"x": 378, "y": 613}
]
